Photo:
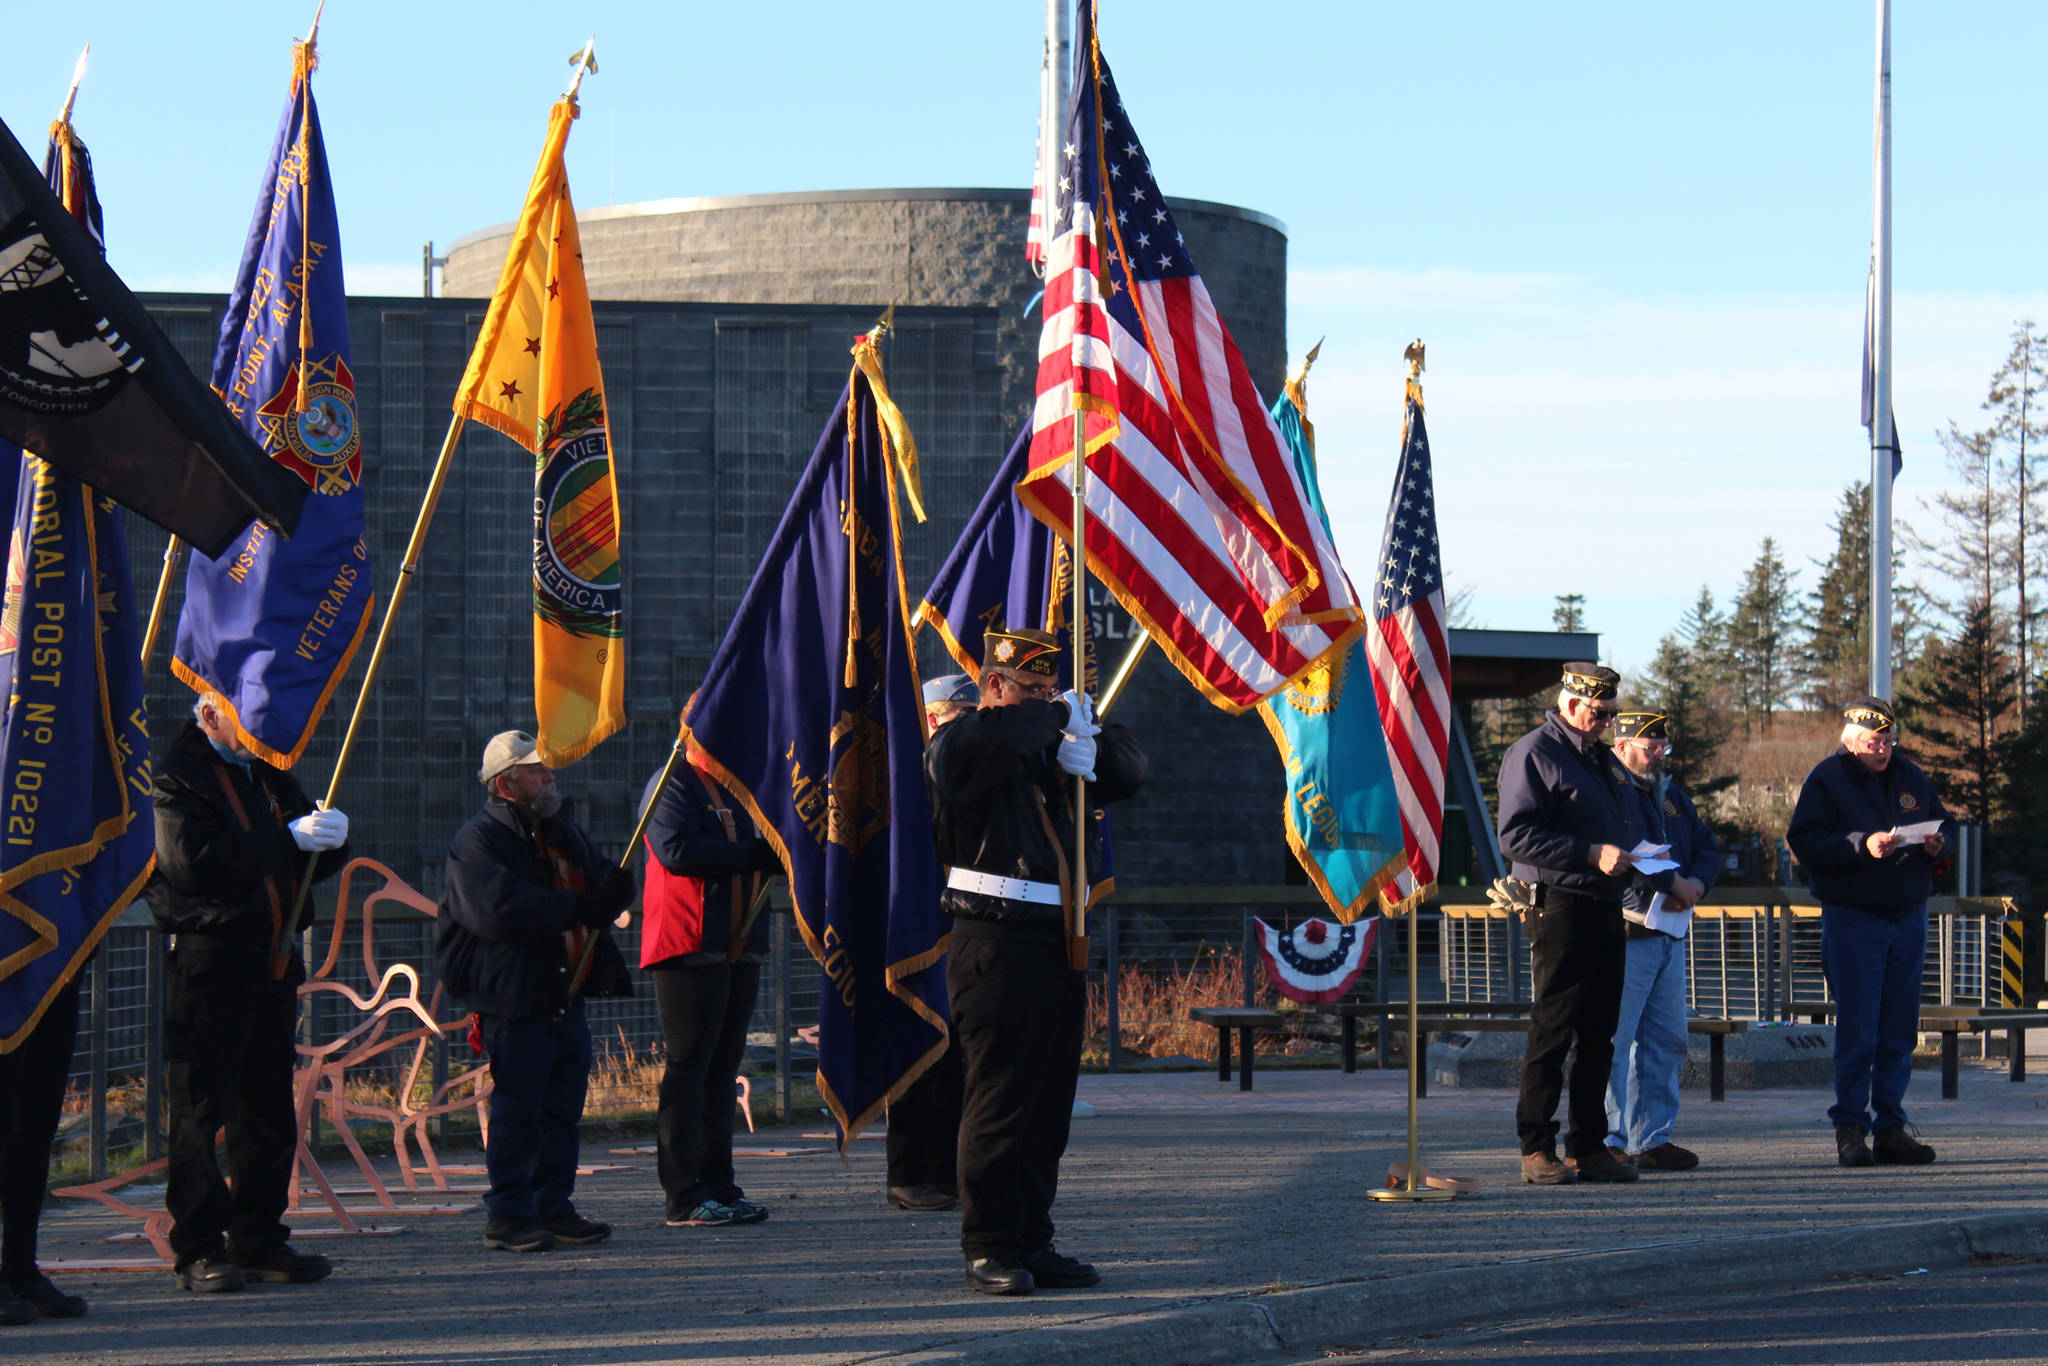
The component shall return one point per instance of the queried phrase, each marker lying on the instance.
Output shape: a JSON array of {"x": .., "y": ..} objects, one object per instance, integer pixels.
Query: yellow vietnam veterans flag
[{"x": 534, "y": 376}]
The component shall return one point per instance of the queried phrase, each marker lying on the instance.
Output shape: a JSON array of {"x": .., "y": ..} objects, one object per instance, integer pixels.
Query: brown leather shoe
[
  {"x": 1602, "y": 1165},
  {"x": 1543, "y": 1169},
  {"x": 1665, "y": 1157},
  {"x": 1618, "y": 1154}
]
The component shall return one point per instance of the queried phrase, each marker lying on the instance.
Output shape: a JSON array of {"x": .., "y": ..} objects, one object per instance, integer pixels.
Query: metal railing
[{"x": 1159, "y": 951}]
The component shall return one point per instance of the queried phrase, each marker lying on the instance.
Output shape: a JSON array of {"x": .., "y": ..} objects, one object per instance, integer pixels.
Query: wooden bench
[
  {"x": 1349, "y": 1013},
  {"x": 1245, "y": 1021},
  {"x": 1953, "y": 1021},
  {"x": 1716, "y": 1030}
]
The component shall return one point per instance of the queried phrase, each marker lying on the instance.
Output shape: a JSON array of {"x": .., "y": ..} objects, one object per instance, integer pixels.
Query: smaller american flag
[{"x": 1406, "y": 647}]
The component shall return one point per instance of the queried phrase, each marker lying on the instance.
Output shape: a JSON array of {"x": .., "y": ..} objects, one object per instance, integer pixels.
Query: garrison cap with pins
[
  {"x": 1642, "y": 725},
  {"x": 1594, "y": 682},
  {"x": 1871, "y": 713},
  {"x": 1021, "y": 650}
]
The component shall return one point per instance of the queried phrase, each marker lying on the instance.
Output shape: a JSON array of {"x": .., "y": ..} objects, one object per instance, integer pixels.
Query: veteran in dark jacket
[
  {"x": 524, "y": 888},
  {"x": 1568, "y": 821},
  {"x": 234, "y": 836},
  {"x": 1002, "y": 806},
  {"x": 703, "y": 942},
  {"x": 1872, "y": 885}
]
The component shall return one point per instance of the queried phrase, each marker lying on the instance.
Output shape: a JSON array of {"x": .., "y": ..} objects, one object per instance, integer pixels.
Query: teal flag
[{"x": 1343, "y": 819}]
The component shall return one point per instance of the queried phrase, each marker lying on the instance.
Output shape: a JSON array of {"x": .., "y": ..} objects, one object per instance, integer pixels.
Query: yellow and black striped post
[{"x": 2012, "y": 962}]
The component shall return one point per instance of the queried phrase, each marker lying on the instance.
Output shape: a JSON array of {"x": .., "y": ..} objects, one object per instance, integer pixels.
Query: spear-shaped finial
[
  {"x": 585, "y": 63},
  {"x": 1413, "y": 355},
  {"x": 1297, "y": 388},
  {"x": 313, "y": 33},
  {"x": 885, "y": 324},
  {"x": 77, "y": 78}
]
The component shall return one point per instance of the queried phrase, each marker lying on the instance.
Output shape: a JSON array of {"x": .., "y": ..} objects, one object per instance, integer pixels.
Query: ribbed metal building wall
[{"x": 715, "y": 410}]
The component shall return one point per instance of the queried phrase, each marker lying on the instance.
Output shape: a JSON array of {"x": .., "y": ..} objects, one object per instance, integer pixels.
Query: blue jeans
[
  {"x": 540, "y": 1069},
  {"x": 1649, "y": 1046},
  {"x": 1873, "y": 967}
]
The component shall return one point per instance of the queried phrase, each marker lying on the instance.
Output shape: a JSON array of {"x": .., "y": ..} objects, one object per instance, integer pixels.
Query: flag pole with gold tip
[{"x": 1416, "y": 1186}]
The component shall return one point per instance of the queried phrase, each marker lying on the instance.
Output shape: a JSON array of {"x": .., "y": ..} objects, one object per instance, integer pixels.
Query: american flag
[
  {"x": 1411, "y": 663},
  {"x": 1196, "y": 517},
  {"x": 1034, "y": 232}
]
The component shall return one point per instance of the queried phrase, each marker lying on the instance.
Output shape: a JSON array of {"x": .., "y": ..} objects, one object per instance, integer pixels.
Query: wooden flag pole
[
  {"x": 414, "y": 548},
  {"x": 1114, "y": 689},
  {"x": 583, "y": 959},
  {"x": 173, "y": 552}
]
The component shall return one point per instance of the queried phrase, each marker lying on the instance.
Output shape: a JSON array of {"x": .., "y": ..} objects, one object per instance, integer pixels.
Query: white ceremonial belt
[{"x": 1009, "y": 888}]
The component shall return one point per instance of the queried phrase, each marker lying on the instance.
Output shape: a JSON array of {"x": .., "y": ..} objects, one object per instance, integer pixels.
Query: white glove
[
  {"x": 1080, "y": 715},
  {"x": 1077, "y": 756},
  {"x": 319, "y": 831}
]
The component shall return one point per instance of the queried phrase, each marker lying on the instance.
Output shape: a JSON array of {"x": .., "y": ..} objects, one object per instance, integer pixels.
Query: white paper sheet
[
  {"x": 1917, "y": 831},
  {"x": 1662, "y": 917}
]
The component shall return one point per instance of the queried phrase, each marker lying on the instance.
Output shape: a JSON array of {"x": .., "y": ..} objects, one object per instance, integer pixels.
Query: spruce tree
[
  {"x": 1763, "y": 636},
  {"x": 1958, "y": 714},
  {"x": 1681, "y": 685},
  {"x": 1836, "y": 658},
  {"x": 1570, "y": 613},
  {"x": 2019, "y": 424}
]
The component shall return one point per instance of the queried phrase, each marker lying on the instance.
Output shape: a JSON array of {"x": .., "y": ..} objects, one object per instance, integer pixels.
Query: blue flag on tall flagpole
[
  {"x": 811, "y": 715},
  {"x": 1343, "y": 814},
  {"x": 1008, "y": 569},
  {"x": 271, "y": 625},
  {"x": 80, "y": 836}
]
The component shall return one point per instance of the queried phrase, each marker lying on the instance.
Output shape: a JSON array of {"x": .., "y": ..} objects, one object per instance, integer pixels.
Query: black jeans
[
  {"x": 704, "y": 1014},
  {"x": 32, "y": 1080},
  {"x": 228, "y": 1055},
  {"x": 1578, "y": 962},
  {"x": 924, "y": 1128},
  {"x": 540, "y": 1072},
  {"x": 1018, "y": 1016}
]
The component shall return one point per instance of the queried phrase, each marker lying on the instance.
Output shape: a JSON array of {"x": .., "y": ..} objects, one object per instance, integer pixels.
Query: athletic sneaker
[
  {"x": 748, "y": 1211},
  {"x": 574, "y": 1228},
  {"x": 704, "y": 1215}
]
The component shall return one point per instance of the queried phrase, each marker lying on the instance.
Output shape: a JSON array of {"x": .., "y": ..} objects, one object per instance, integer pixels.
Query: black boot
[
  {"x": 999, "y": 1276},
  {"x": 1895, "y": 1146},
  {"x": 1850, "y": 1149}
]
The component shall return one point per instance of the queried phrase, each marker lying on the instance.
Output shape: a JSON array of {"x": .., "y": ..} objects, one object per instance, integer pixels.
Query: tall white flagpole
[
  {"x": 1052, "y": 113},
  {"x": 1883, "y": 440}
]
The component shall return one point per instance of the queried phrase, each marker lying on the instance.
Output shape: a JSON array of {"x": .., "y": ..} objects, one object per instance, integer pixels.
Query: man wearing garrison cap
[
  {"x": 1002, "y": 784},
  {"x": 1868, "y": 827},
  {"x": 1568, "y": 819},
  {"x": 1650, "y": 1040}
]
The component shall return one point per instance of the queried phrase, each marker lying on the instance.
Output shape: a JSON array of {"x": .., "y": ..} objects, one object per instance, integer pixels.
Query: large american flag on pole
[
  {"x": 1410, "y": 661},
  {"x": 1197, "y": 518}
]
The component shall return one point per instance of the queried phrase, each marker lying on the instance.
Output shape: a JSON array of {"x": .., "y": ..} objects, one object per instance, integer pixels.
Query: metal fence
[{"x": 1157, "y": 953}]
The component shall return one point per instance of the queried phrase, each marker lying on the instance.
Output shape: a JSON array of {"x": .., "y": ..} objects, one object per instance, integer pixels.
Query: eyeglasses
[{"x": 1604, "y": 715}]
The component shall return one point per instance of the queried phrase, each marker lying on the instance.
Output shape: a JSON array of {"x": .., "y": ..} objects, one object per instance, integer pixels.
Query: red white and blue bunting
[{"x": 1317, "y": 961}]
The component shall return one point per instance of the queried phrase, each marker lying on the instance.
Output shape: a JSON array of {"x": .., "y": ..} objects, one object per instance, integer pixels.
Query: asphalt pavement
[{"x": 1230, "y": 1227}]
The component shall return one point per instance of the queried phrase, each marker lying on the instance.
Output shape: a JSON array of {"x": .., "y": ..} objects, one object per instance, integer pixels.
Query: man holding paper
[
  {"x": 1650, "y": 1040},
  {"x": 1868, "y": 827},
  {"x": 1570, "y": 824}
]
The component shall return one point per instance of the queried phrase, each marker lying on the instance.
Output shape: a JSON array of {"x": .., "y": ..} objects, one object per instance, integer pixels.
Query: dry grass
[{"x": 1153, "y": 1005}]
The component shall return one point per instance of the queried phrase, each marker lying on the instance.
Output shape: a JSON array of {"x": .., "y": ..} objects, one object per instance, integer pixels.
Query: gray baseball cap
[{"x": 507, "y": 750}]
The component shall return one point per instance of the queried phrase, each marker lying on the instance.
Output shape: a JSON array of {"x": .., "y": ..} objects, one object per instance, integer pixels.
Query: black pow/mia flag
[{"x": 91, "y": 384}]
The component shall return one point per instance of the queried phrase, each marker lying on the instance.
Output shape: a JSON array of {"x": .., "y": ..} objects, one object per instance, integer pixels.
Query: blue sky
[{"x": 1633, "y": 236}]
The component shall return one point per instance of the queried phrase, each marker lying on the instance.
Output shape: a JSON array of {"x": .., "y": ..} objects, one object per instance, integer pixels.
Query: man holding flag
[
  {"x": 267, "y": 631},
  {"x": 1004, "y": 819}
]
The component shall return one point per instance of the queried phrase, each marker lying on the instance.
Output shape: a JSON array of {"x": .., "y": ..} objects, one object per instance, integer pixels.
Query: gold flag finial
[
  {"x": 885, "y": 324},
  {"x": 1297, "y": 388},
  {"x": 1413, "y": 355}
]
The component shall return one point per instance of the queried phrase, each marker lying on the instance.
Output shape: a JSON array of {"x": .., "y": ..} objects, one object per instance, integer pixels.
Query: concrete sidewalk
[{"x": 1225, "y": 1224}]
